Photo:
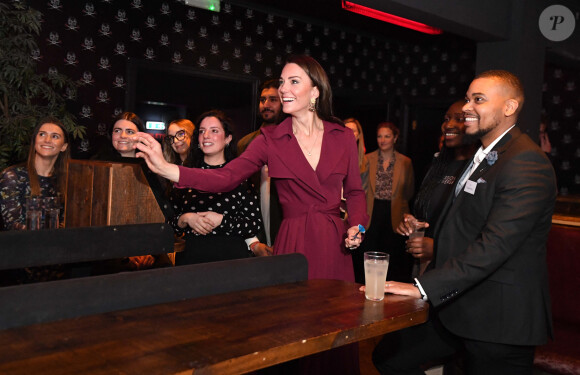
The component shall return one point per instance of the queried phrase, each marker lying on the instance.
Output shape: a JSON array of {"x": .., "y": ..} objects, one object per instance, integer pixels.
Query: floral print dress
[{"x": 14, "y": 189}]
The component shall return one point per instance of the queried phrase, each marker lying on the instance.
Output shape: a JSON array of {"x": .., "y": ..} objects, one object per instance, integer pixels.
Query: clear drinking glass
[
  {"x": 51, "y": 212},
  {"x": 418, "y": 229},
  {"x": 33, "y": 212},
  {"x": 376, "y": 267}
]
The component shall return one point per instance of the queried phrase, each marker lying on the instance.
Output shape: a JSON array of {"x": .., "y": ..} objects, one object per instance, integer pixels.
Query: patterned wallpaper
[
  {"x": 90, "y": 41},
  {"x": 561, "y": 104}
]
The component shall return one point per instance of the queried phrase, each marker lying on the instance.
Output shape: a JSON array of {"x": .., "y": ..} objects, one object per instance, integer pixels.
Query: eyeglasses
[{"x": 179, "y": 136}]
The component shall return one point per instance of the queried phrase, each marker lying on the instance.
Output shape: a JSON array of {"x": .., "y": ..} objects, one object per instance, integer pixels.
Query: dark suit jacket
[{"x": 490, "y": 278}]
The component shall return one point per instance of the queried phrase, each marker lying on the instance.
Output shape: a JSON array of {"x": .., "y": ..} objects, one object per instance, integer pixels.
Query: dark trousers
[
  {"x": 404, "y": 352},
  {"x": 380, "y": 237}
]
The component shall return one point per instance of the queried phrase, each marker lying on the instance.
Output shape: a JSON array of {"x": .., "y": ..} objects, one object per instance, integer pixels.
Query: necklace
[
  {"x": 384, "y": 163},
  {"x": 309, "y": 153}
]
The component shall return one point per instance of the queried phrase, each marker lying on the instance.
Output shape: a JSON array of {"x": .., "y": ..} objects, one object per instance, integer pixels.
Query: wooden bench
[
  {"x": 64, "y": 299},
  {"x": 562, "y": 355}
]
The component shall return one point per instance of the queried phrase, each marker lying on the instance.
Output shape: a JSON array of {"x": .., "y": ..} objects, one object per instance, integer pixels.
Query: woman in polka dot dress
[{"x": 215, "y": 224}]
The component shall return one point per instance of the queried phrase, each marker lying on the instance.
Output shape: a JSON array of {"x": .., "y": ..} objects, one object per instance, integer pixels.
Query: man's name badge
[{"x": 470, "y": 187}]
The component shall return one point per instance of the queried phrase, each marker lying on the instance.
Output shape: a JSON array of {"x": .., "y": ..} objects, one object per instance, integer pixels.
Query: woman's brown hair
[{"x": 60, "y": 165}]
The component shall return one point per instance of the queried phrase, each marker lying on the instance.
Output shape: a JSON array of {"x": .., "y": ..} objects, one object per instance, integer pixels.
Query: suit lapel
[
  {"x": 452, "y": 203},
  {"x": 499, "y": 148}
]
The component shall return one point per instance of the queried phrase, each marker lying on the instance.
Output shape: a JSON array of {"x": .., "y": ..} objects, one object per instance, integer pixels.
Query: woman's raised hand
[{"x": 149, "y": 149}]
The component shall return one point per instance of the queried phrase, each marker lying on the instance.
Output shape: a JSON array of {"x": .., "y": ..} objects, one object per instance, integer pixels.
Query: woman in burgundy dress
[{"x": 311, "y": 157}]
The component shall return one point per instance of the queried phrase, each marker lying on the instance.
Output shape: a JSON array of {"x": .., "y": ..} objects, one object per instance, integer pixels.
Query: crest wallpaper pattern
[
  {"x": 561, "y": 104},
  {"x": 91, "y": 42}
]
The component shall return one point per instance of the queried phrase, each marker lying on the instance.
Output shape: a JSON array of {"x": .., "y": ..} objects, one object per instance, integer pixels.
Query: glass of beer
[{"x": 376, "y": 267}]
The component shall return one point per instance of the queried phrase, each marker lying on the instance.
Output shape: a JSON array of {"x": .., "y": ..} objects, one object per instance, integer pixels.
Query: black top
[
  {"x": 240, "y": 207},
  {"x": 440, "y": 193}
]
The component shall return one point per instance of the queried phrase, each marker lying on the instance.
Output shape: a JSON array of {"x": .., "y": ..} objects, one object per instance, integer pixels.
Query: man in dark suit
[
  {"x": 488, "y": 285},
  {"x": 270, "y": 109}
]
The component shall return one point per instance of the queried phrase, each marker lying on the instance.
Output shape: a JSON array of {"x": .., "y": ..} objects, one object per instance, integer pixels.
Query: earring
[
  {"x": 312, "y": 106},
  {"x": 198, "y": 145}
]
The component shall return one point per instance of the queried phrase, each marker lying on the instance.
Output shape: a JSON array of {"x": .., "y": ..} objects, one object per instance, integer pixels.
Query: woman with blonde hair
[
  {"x": 178, "y": 136},
  {"x": 354, "y": 125}
]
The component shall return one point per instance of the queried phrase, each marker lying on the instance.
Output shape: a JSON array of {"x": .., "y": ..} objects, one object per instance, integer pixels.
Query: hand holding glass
[
  {"x": 418, "y": 229},
  {"x": 376, "y": 267}
]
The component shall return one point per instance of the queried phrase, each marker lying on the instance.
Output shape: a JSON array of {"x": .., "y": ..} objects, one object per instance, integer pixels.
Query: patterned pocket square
[{"x": 481, "y": 181}]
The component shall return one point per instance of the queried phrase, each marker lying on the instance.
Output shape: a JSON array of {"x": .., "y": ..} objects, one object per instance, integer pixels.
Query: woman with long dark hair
[
  {"x": 311, "y": 157},
  {"x": 43, "y": 174},
  {"x": 215, "y": 224},
  {"x": 120, "y": 149},
  {"x": 125, "y": 126}
]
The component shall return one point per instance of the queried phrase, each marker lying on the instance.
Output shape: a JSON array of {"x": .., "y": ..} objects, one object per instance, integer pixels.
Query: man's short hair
[
  {"x": 510, "y": 80},
  {"x": 271, "y": 83}
]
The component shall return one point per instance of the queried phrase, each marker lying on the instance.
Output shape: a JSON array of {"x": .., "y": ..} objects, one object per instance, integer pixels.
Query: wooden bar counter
[{"x": 232, "y": 333}]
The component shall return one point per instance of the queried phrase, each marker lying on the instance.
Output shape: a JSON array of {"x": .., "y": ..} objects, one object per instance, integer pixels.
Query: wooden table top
[{"x": 222, "y": 334}]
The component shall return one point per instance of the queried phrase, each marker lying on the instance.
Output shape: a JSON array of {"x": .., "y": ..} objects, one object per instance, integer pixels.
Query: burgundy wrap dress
[{"x": 310, "y": 199}]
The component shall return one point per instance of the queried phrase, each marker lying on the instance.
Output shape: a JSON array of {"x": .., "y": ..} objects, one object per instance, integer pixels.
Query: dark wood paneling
[
  {"x": 232, "y": 333},
  {"x": 109, "y": 193}
]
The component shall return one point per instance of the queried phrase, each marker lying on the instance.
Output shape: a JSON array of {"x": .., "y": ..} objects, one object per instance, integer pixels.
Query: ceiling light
[
  {"x": 213, "y": 5},
  {"x": 396, "y": 20}
]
